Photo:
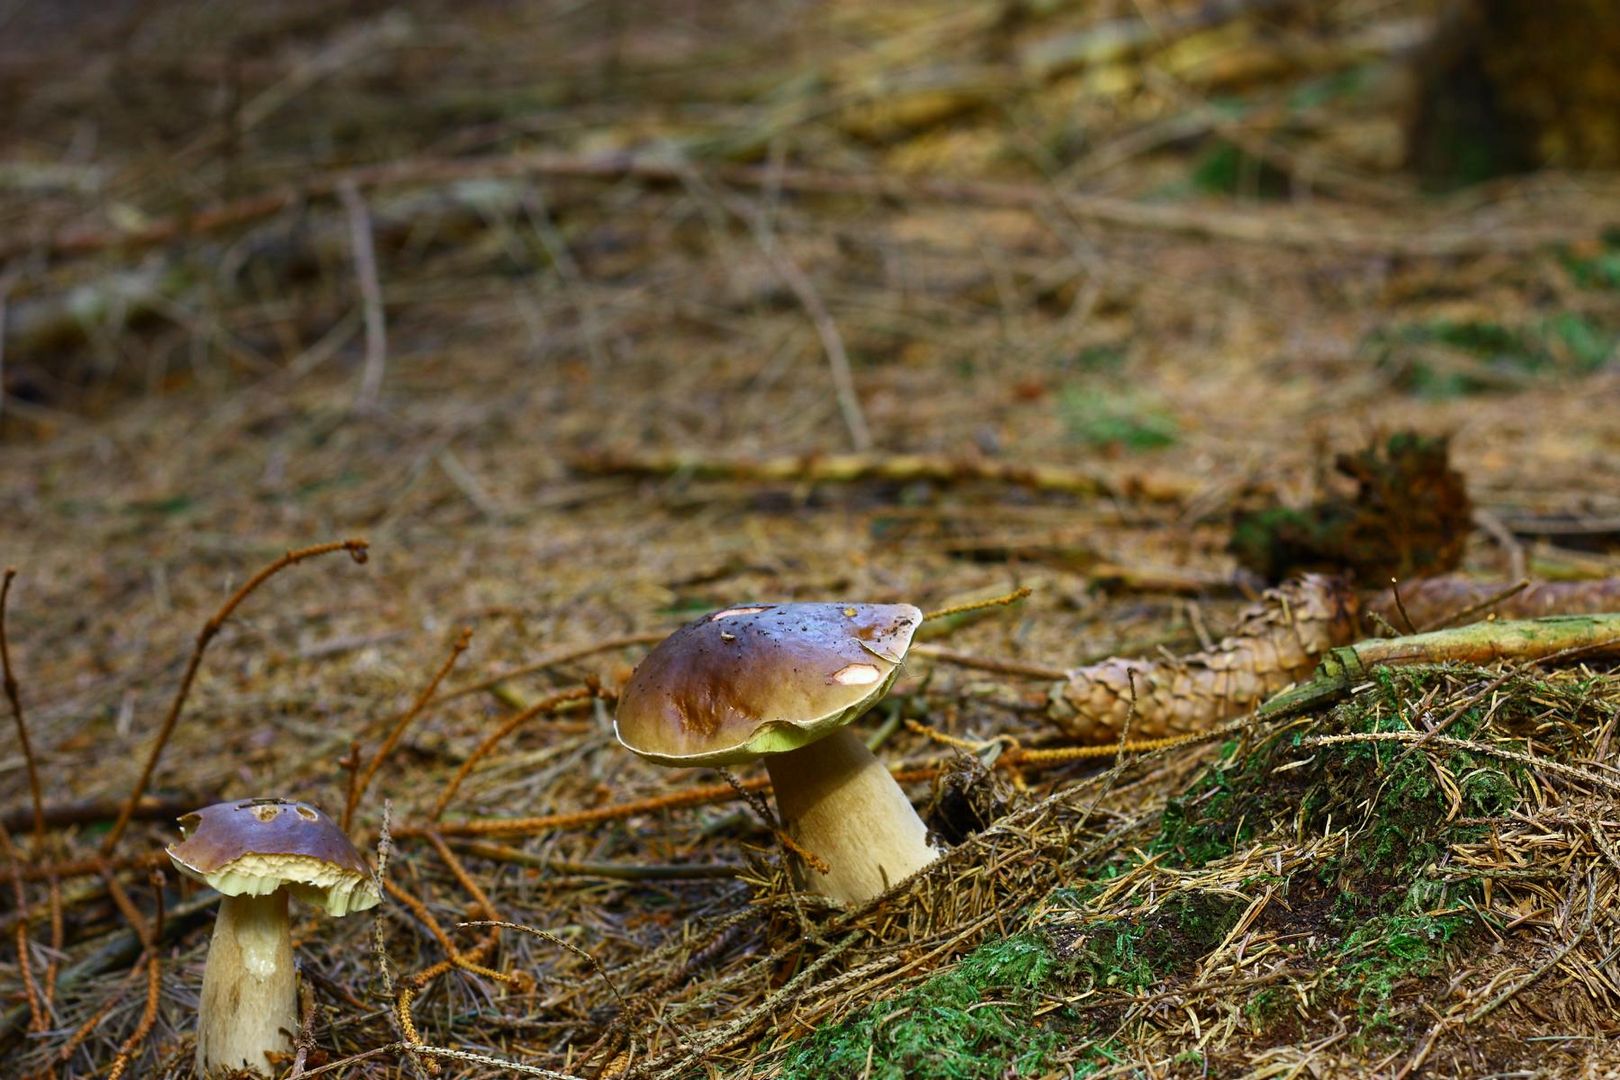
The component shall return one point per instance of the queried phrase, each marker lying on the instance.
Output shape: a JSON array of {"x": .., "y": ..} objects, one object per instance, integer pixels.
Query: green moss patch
[
  {"x": 1446, "y": 358},
  {"x": 979, "y": 1019}
]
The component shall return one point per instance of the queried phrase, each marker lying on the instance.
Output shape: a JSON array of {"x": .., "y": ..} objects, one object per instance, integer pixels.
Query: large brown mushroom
[
  {"x": 781, "y": 681},
  {"x": 257, "y": 852}
]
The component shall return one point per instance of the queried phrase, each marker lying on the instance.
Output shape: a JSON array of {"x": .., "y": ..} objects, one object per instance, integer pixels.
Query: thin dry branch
[
  {"x": 1313, "y": 232},
  {"x": 1004, "y": 600},
  {"x": 358, "y": 788},
  {"x": 893, "y": 468},
  {"x": 149, "y": 934},
  {"x": 1535, "y": 764},
  {"x": 13, "y": 696},
  {"x": 1451, "y": 598},
  {"x": 149, "y": 1012},
  {"x": 698, "y": 796},
  {"x": 357, "y": 550},
  {"x": 466, "y": 960},
  {"x": 545, "y": 663},
  {"x": 90, "y": 811},
  {"x": 512, "y": 723},
  {"x": 32, "y": 995}
]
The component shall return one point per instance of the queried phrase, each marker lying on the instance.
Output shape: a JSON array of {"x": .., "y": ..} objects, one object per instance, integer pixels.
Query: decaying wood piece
[{"x": 1275, "y": 643}]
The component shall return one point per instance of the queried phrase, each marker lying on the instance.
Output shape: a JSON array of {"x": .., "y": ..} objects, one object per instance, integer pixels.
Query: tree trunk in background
[{"x": 1506, "y": 86}]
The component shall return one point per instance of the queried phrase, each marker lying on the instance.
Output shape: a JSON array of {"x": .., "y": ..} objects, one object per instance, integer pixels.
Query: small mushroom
[
  {"x": 781, "y": 681},
  {"x": 256, "y": 852}
]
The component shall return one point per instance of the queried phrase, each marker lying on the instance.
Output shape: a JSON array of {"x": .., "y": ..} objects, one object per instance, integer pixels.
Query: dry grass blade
[
  {"x": 832, "y": 342},
  {"x": 365, "y": 271}
]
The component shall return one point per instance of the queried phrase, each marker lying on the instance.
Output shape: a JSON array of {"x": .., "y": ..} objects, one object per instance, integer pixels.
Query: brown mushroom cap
[
  {"x": 761, "y": 679},
  {"x": 255, "y": 846}
]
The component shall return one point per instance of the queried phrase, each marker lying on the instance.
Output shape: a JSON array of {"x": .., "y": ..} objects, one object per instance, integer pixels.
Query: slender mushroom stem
[
  {"x": 249, "y": 1004},
  {"x": 841, "y": 803}
]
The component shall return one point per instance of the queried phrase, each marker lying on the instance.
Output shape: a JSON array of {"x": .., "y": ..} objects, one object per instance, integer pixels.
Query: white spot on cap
[
  {"x": 856, "y": 675},
  {"x": 730, "y": 611}
]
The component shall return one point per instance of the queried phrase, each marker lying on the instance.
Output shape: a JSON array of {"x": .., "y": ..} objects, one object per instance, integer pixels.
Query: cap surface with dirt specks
[
  {"x": 761, "y": 678},
  {"x": 252, "y": 847}
]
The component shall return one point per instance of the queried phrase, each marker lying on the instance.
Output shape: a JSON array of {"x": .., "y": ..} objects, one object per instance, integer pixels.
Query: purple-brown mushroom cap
[
  {"x": 761, "y": 678},
  {"x": 252, "y": 847}
]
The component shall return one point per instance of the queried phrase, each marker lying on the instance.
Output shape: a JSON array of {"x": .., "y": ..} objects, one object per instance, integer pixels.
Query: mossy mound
[{"x": 1334, "y": 874}]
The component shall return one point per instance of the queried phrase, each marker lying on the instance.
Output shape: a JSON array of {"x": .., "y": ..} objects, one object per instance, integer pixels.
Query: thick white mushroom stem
[
  {"x": 249, "y": 1003},
  {"x": 840, "y": 802}
]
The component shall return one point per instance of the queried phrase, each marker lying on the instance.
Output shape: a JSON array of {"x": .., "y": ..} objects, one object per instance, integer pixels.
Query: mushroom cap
[
  {"x": 761, "y": 679},
  {"x": 253, "y": 847}
]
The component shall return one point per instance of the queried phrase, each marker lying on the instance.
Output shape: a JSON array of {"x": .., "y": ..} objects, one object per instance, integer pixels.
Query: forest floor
[{"x": 569, "y": 311}]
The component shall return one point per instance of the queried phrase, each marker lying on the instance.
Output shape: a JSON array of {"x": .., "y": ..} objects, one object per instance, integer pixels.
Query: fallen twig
[
  {"x": 504, "y": 853},
  {"x": 551, "y": 661},
  {"x": 1307, "y": 233},
  {"x": 1556, "y": 768},
  {"x": 357, "y": 788},
  {"x": 468, "y": 960},
  {"x": 494, "y": 738},
  {"x": 1004, "y": 600},
  {"x": 357, "y": 551},
  {"x": 697, "y": 796},
  {"x": 894, "y": 468},
  {"x": 1451, "y": 598},
  {"x": 9, "y": 681},
  {"x": 91, "y": 811},
  {"x": 32, "y": 997}
]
